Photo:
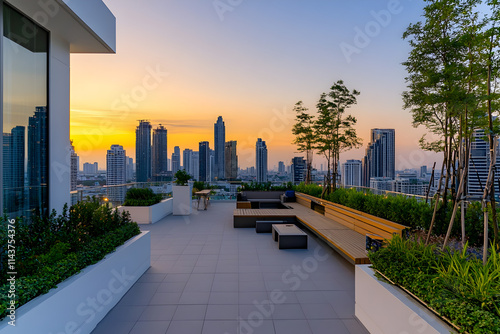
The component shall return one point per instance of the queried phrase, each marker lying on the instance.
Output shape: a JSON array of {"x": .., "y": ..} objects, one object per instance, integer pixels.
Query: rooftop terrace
[{"x": 208, "y": 277}]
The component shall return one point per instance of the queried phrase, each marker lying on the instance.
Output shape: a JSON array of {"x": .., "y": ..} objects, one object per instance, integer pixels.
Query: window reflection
[{"x": 25, "y": 123}]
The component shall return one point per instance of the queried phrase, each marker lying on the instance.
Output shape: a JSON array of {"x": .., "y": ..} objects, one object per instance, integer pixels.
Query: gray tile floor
[{"x": 207, "y": 277}]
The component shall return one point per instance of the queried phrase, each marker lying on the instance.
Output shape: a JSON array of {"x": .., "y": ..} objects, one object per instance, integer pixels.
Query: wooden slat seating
[{"x": 344, "y": 229}]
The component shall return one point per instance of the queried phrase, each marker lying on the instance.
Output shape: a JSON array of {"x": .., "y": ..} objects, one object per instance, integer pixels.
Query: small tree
[
  {"x": 334, "y": 131},
  {"x": 182, "y": 177},
  {"x": 303, "y": 130}
]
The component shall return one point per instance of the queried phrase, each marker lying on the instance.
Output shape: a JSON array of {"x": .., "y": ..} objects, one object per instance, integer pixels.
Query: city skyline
[{"x": 206, "y": 67}]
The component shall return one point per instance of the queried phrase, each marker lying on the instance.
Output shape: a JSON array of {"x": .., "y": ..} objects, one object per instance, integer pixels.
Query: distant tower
[
  {"x": 281, "y": 167},
  {"x": 176, "y": 160},
  {"x": 231, "y": 163},
  {"x": 204, "y": 161},
  {"x": 74, "y": 167},
  {"x": 116, "y": 172},
  {"x": 38, "y": 159},
  {"x": 130, "y": 168},
  {"x": 13, "y": 170},
  {"x": 195, "y": 165},
  {"x": 143, "y": 151},
  {"x": 187, "y": 156},
  {"x": 160, "y": 157},
  {"x": 352, "y": 173},
  {"x": 261, "y": 160},
  {"x": 380, "y": 157},
  {"x": 299, "y": 169},
  {"x": 219, "y": 141}
]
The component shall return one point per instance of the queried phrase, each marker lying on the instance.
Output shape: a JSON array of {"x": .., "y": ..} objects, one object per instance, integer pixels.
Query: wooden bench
[
  {"x": 266, "y": 226},
  {"x": 289, "y": 236}
]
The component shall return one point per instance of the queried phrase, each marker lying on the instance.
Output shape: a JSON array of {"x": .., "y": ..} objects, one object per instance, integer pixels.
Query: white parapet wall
[
  {"x": 149, "y": 214},
  {"x": 79, "y": 303},
  {"x": 383, "y": 308}
]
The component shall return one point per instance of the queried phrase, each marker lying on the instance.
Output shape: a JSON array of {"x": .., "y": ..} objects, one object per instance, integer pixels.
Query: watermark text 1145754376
[{"x": 11, "y": 267}]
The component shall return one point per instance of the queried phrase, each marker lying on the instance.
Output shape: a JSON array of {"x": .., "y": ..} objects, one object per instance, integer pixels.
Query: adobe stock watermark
[
  {"x": 11, "y": 271},
  {"x": 89, "y": 308},
  {"x": 415, "y": 320},
  {"x": 364, "y": 35},
  {"x": 224, "y": 6},
  {"x": 278, "y": 122},
  {"x": 292, "y": 277}
]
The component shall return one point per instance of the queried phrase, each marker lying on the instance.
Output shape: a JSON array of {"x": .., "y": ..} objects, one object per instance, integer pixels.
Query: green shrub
[
  {"x": 51, "y": 248},
  {"x": 454, "y": 284},
  {"x": 182, "y": 177},
  {"x": 254, "y": 186},
  {"x": 141, "y": 197}
]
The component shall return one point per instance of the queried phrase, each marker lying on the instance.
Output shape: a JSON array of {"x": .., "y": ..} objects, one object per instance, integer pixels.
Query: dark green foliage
[
  {"x": 254, "y": 186},
  {"x": 51, "y": 249},
  {"x": 453, "y": 283},
  {"x": 141, "y": 197},
  {"x": 406, "y": 211},
  {"x": 182, "y": 177}
]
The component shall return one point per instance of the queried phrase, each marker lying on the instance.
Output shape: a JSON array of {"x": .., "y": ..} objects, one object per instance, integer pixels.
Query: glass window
[{"x": 25, "y": 126}]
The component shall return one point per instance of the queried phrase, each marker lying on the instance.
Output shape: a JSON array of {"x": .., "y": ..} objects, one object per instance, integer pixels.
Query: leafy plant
[
  {"x": 141, "y": 197},
  {"x": 254, "y": 186},
  {"x": 182, "y": 177}
]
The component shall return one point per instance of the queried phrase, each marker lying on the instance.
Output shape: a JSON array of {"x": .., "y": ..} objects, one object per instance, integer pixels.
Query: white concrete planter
[
  {"x": 149, "y": 214},
  {"x": 384, "y": 308},
  {"x": 79, "y": 303},
  {"x": 182, "y": 196}
]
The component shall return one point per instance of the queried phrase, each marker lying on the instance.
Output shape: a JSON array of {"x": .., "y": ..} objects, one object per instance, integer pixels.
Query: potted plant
[
  {"x": 146, "y": 207},
  {"x": 181, "y": 192}
]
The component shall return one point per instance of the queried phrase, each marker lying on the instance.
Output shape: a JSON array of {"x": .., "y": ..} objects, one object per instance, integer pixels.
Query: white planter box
[
  {"x": 182, "y": 196},
  {"x": 383, "y": 308},
  {"x": 149, "y": 214},
  {"x": 79, "y": 303}
]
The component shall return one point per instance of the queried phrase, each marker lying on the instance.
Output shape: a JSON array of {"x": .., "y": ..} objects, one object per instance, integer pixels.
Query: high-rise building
[
  {"x": 261, "y": 160},
  {"x": 379, "y": 160},
  {"x": 195, "y": 165},
  {"x": 219, "y": 149},
  {"x": 74, "y": 167},
  {"x": 159, "y": 151},
  {"x": 423, "y": 171},
  {"x": 116, "y": 173},
  {"x": 281, "y": 167},
  {"x": 299, "y": 169},
  {"x": 204, "y": 161},
  {"x": 352, "y": 173},
  {"x": 176, "y": 160},
  {"x": 143, "y": 151},
  {"x": 37, "y": 159},
  {"x": 187, "y": 155},
  {"x": 231, "y": 163},
  {"x": 13, "y": 170},
  {"x": 89, "y": 168},
  {"x": 130, "y": 169},
  {"x": 479, "y": 165}
]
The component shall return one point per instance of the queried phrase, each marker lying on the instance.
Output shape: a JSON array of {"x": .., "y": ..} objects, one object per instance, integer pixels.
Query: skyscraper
[
  {"x": 89, "y": 168},
  {"x": 261, "y": 160},
  {"x": 130, "y": 168},
  {"x": 143, "y": 151},
  {"x": 38, "y": 159},
  {"x": 116, "y": 172},
  {"x": 219, "y": 150},
  {"x": 231, "y": 163},
  {"x": 299, "y": 169},
  {"x": 380, "y": 157},
  {"x": 74, "y": 167},
  {"x": 13, "y": 170},
  {"x": 160, "y": 156},
  {"x": 281, "y": 167},
  {"x": 176, "y": 160},
  {"x": 195, "y": 165},
  {"x": 479, "y": 165},
  {"x": 204, "y": 161},
  {"x": 187, "y": 155},
  {"x": 352, "y": 173}
]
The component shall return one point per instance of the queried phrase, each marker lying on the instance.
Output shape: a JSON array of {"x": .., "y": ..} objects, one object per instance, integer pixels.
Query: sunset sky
[{"x": 183, "y": 63}]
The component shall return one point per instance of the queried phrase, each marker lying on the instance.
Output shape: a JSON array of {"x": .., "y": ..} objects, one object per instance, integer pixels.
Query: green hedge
[
  {"x": 455, "y": 284},
  {"x": 51, "y": 249},
  {"x": 406, "y": 211},
  {"x": 141, "y": 197}
]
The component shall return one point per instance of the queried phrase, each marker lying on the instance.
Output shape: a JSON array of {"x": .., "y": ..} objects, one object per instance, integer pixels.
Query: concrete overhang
[{"x": 87, "y": 25}]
